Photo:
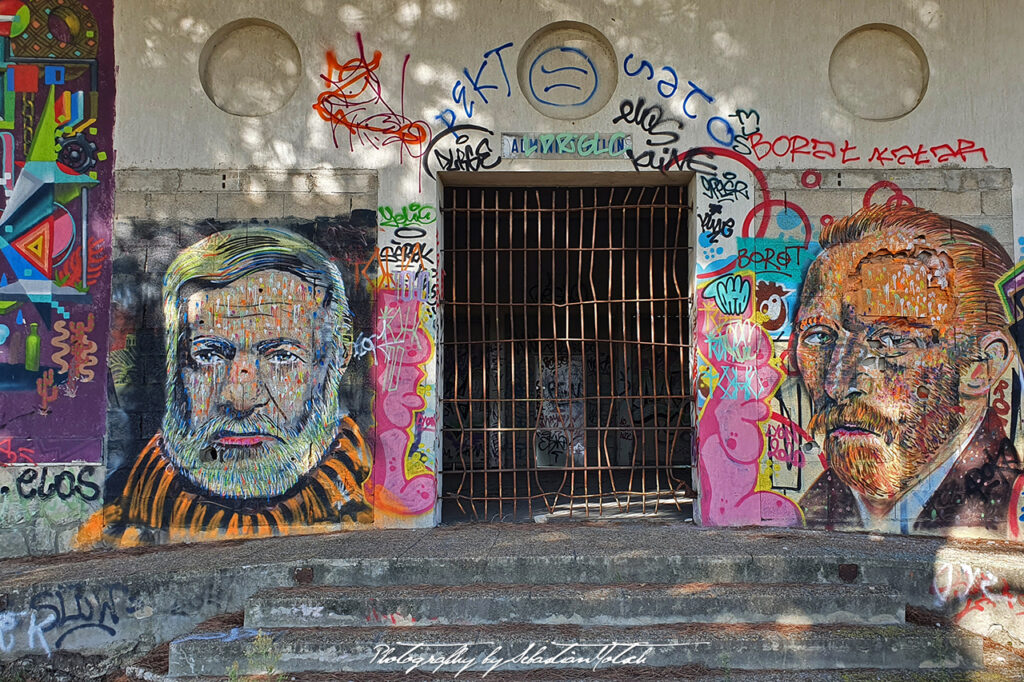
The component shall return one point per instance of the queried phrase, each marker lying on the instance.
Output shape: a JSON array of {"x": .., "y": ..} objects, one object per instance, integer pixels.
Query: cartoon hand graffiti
[{"x": 732, "y": 438}]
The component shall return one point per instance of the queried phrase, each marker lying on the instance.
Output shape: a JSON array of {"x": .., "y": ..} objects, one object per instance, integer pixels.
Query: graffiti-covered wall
[
  {"x": 856, "y": 362},
  {"x": 266, "y": 355},
  {"x": 55, "y": 239},
  {"x": 265, "y": 358}
]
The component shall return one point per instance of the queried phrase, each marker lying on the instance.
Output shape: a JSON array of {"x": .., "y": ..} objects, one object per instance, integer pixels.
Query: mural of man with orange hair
[{"x": 901, "y": 339}]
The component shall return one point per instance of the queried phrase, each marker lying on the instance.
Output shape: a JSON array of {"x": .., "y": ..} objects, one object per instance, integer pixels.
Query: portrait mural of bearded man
[
  {"x": 900, "y": 339},
  {"x": 256, "y": 439}
]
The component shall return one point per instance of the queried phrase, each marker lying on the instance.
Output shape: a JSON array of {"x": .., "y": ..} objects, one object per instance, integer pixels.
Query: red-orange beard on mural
[{"x": 881, "y": 458}]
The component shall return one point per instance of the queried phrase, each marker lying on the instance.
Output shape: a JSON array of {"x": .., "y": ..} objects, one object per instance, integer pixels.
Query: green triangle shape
[
  {"x": 64, "y": 193},
  {"x": 42, "y": 148}
]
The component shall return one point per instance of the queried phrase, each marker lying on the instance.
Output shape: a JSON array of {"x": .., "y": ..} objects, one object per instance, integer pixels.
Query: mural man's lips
[
  {"x": 242, "y": 440},
  {"x": 851, "y": 431}
]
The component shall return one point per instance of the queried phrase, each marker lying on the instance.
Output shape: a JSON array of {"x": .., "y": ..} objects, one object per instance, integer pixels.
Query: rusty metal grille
[{"x": 565, "y": 350}]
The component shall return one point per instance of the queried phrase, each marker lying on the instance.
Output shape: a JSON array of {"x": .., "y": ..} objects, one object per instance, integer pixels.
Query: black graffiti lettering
[
  {"x": 673, "y": 159},
  {"x": 748, "y": 122},
  {"x": 691, "y": 161},
  {"x": 714, "y": 226},
  {"x": 26, "y": 478},
  {"x": 649, "y": 119},
  {"x": 462, "y": 154},
  {"x": 80, "y": 608},
  {"x": 410, "y": 232},
  {"x": 643, "y": 160},
  {"x": 64, "y": 484},
  {"x": 87, "y": 490},
  {"x": 39, "y": 483},
  {"x": 726, "y": 188},
  {"x": 670, "y": 159},
  {"x": 466, "y": 158},
  {"x": 408, "y": 254}
]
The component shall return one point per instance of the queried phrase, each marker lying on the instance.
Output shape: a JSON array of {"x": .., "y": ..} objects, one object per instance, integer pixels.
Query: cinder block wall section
[
  {"x": 195, "y": 195},
  {"x": 976, "y": 196}
]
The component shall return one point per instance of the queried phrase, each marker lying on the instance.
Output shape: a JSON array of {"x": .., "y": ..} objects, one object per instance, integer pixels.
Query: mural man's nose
[{"x": 244, "y": 389}]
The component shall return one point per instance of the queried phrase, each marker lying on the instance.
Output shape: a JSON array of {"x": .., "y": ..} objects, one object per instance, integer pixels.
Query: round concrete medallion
[
  {"x": 250, "y": 67},
  {"x": 878, "y": 72},
  {"x": 567, "y": 70}
]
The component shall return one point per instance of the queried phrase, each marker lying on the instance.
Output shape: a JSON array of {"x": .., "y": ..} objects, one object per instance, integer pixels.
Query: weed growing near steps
[{"x": 261, "y": 656}]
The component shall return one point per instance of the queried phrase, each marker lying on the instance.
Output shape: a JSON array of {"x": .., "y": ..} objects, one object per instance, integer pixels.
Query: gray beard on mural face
[
  {"x": 266, "y": 469},
  {"x": 277, "y": 451}
]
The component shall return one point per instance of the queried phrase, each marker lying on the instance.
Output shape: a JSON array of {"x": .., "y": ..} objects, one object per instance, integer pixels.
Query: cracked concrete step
[
  {"x": 626, "y": 674},
  {"x": 644, "y": 604},
  {"x": 625, "y": 567},
  {"x": 505, "y": 648}
]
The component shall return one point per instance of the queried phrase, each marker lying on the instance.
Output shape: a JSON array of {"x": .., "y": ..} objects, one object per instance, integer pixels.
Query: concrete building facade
[{"x": 289, "y": 267}]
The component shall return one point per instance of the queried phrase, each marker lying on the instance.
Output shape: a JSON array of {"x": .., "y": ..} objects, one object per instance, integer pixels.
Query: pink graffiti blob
[
  {"x": 731, "y": 435},
  {"x": 402, "y": 348}
]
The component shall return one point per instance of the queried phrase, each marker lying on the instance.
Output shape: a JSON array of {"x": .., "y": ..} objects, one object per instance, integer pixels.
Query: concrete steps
[
  {"x": 643, "y": 604},
  {"x": 572, "y": 628},
  {"x": 475, "y": 650},
  {"x": 689, "y": 673},
  {"x": 650, "y": 566}
]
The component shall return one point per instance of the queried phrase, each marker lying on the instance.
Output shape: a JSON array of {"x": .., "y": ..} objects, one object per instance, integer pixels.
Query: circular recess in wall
[
  {"x": 567, "y": 70},
  {"x": 250, "y": 67},
  {"x": 878, "y": 72}
]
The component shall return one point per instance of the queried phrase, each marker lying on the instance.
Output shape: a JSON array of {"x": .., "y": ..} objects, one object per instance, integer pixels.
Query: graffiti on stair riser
[
  {"x": 64, "y": 617},
  {"x": 972, "y": 590}
]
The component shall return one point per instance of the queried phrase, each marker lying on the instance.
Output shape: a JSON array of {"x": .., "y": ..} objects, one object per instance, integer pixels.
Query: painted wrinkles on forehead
[
  {"x": 885, "y": 343},
  {"x": 858, "y": 285},
  {"x": 280, "y": 296},
  {"x": 264, "y": 325}
]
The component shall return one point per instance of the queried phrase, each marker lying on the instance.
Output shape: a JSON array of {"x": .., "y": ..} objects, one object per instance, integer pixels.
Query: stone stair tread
[
  {"x": 1000, "y": 664},
  {"x": 720, "y": 630},
  {"x": 542, "y": 590},
  {"x": 620, "y": 604},
  {"x": 737, "y": 646},
  {"x": 690, "y": 673}
]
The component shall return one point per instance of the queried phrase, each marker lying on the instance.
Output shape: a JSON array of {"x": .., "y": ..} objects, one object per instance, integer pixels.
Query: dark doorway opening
[{"x": 565, "y": 351}]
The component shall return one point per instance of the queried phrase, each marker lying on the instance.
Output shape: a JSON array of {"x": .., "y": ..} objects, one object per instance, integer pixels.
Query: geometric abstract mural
[{"x": 56, "y": 121}]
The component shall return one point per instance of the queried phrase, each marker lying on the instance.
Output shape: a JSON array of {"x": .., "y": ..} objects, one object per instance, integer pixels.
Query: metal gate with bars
[{"x": 565, "y": 352}]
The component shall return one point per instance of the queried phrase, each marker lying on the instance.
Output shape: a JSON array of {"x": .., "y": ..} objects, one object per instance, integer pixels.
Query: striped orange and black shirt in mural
[{"x": 160, "y": 505}]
